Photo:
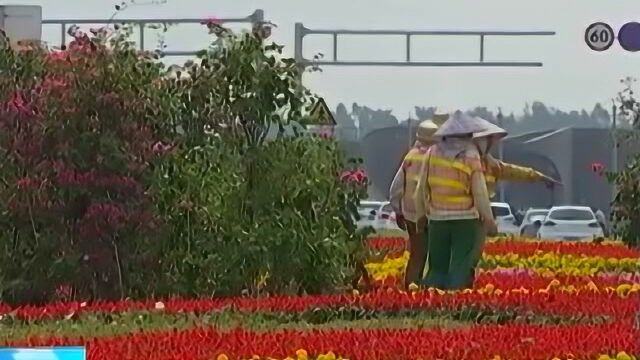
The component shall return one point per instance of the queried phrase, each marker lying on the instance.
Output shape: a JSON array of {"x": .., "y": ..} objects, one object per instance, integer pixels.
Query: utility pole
[
  {"x": 614, "y": 127},
  {"x": 500, "y": 153},
  {"x": 614, "y": 152},
  {"x": 409, "y": 132}
]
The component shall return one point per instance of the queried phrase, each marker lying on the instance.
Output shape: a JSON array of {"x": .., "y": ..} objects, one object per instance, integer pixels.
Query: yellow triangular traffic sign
[{"x": 321, "y": 113}]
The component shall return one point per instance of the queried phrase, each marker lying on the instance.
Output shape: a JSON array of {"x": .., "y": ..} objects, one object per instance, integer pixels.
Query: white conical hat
[
  {"x": 440, "y": 115},
  {"x": 425, "y": 131},
  {"x": 460, "y": 123},
  {"x": 492, "y": 130}
]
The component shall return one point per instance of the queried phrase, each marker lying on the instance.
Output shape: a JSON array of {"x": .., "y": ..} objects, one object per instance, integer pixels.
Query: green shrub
[
  {"x": 120, "y": 178},
  {"x": 300, "y": 237}
]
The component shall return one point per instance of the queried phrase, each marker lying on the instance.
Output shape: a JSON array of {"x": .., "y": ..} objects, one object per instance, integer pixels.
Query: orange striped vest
[
  {"x": 412, "y": 165},
  {"x": 449, "y": 181}
]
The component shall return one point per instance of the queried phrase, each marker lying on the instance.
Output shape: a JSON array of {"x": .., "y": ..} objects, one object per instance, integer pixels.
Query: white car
[
  {"x": 570, "y": 223},
  {"x": 377, "y": 214},
  {"x": 505, "y": 219},
  {"x": 529, "y": 227}
]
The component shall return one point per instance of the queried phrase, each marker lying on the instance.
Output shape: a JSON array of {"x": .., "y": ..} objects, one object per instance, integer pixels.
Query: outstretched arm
[{"x": 505, "y": 171}]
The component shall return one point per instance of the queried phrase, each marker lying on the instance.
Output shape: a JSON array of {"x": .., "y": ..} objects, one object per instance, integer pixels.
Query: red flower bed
[
  {"x": 396, "y": 245},
  {"x": 513, "y": 342},
  {"x": 560, "y": 303}
]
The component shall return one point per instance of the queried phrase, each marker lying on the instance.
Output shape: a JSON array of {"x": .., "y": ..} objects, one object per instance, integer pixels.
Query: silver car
[
  {"x": 505, "y": 219},
  {"x": 529, "y": 226}
]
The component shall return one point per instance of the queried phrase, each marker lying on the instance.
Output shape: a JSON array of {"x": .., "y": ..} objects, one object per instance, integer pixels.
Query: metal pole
[
  {"x": 409, "y": 133},
  {"x": 255, "y": 18},
  {"x": 301, "y": 31},
  {"x": 614, "y": 152},
  {"x": 141, "y": 26},
  {"x": 614, "y": 125},
  {"x": 500, "y": 154}
]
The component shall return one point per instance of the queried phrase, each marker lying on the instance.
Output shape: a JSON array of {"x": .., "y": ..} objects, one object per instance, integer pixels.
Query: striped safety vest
[
  {"x": 412, "y": 165},
  {"x": 449, "y": 182}
]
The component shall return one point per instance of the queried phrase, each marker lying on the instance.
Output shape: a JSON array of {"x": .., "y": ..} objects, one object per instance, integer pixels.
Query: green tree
[{"x": 626, "y": 205}]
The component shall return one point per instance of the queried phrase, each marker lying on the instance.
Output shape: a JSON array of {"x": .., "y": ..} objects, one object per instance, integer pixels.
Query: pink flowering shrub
[{"x": 78, "y": 136}]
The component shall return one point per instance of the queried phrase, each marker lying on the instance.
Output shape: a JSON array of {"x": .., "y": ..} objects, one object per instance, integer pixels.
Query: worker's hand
[
  {"x": 490, "y": 227},
  {"x": 402, "y": 224},
  {"x": 550, "y": 182}
]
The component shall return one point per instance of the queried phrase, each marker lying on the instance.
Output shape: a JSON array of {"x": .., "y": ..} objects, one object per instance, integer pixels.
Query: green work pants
[
  {"x": 479, "y": 246},
  {"x": 477, "y": 253},
  {"x": 452, "y": 252}
]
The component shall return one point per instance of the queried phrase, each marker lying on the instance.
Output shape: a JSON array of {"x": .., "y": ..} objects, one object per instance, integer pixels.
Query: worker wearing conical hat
[
  {"x": 410, "y": 215},
  {"x": 440, "y": 115},
  {"x": 497, "y": 170},
  {"x": 454, "y": 192}
]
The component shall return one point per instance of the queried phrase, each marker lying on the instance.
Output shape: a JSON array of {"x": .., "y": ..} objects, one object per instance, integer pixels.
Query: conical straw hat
[
  {"x": 492, "y": 130},
  {"x": 460, "y": 123},
  {"x": 425, "y": 131},
  {"x": 440, "y": 115}
]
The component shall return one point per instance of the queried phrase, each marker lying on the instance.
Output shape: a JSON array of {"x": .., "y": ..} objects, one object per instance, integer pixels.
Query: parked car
[
  {"x": 505, "y": 219},
  {"x": 570, "y": 223},
  {"x": 377, "y": 214},
  {"x": 529, "y": 227}
]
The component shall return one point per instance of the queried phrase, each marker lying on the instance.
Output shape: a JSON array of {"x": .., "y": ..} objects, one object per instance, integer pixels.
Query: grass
[
  {"x": 104, "y": 324},
  {"x": 101, "y": 325}
]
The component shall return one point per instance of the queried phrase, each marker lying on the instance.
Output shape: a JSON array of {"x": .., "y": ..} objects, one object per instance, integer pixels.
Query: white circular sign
[{"x": 599, "y": 36}]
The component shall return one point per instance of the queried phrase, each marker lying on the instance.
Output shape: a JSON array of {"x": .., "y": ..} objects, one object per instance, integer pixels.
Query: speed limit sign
[{"x": 599, "y": 36}]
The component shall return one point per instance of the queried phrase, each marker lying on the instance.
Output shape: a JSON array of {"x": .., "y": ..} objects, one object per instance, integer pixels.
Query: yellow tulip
[
  {"x": 624, "y": 356},
  {"x": 623, "y": 289},
  {"x": 302, "y": 354},
  {"x": 222, "y": 357}
]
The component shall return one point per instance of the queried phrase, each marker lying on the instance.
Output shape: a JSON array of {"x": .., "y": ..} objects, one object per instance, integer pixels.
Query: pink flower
[
  {"x": 357, "y": 177},
  {"x": 19, "y": 105},
  {"x": 161, "y": 148},
  {"x": 27, "y": 183},
  {"x": 211, "y": 21}
]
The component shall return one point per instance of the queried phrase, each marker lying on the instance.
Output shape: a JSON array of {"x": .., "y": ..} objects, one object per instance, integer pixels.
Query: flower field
[{"x": 532, "y": 300}]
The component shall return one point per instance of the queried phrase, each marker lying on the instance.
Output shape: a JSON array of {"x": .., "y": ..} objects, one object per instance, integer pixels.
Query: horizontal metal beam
[
  {"x": 301, "y": 31},
  {"x": 426, "y": 63},
  {"x": 257, "y": 16},
  {"x": 307, "y": 31}
]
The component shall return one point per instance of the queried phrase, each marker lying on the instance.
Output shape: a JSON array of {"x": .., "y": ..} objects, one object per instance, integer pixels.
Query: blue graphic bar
[{"x": 44, "y": 353}]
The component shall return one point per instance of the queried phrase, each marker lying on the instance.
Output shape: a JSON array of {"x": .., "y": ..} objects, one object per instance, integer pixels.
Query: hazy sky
[{"x": 573, "y": 76}]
